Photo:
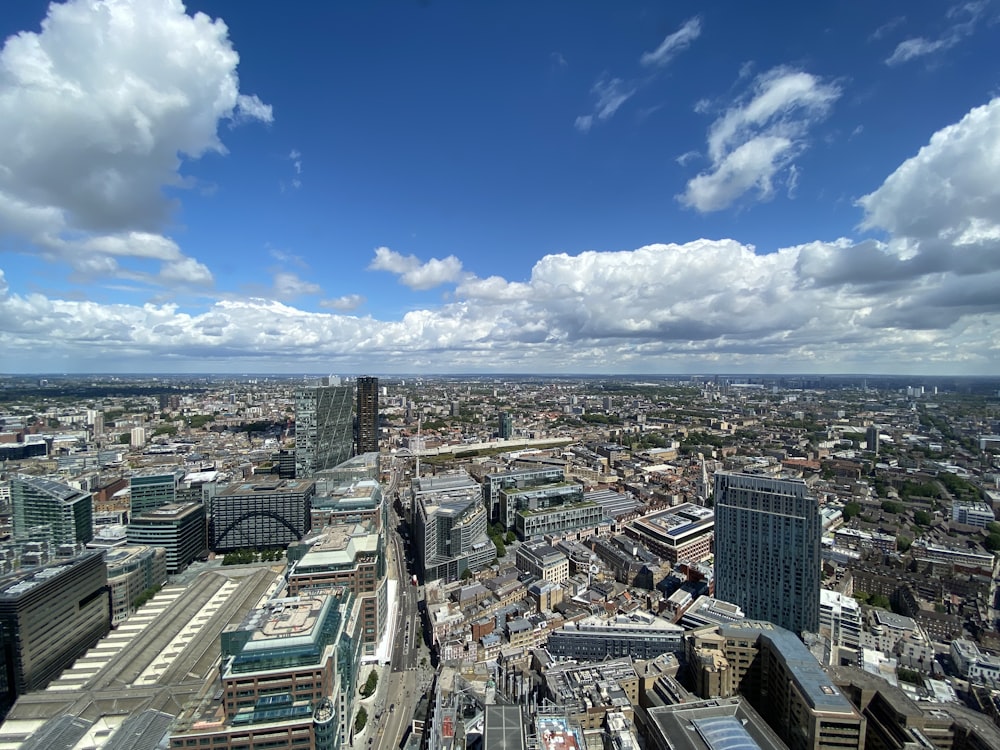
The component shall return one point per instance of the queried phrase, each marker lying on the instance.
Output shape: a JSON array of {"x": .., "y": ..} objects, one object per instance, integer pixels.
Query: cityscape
[
  {"x": 439, "y": 375},
  {"x": 479, "y": 562}
]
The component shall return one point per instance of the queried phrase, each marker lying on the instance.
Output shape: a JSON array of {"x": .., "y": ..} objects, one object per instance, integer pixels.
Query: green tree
[
  {"x": 992, "y": 542},
  {"x": 862, "y": 596},
  {"x": 903, "y": 543},
  {"x": 509, "y": 537},
  {"x": 890, "y": 506},
  {"x": 361, "y": 719},
  {"x": 881, "y": 601},
  {"x": 851, "y": 510},
  {"x": 922, "y": 518},
  {"x": 501, "y": 547},
  {"x": 467, "y": 574},
  {"x": 370, "y": 684}
]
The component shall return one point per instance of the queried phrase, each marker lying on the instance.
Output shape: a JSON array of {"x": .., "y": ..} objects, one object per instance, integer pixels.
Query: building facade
[
  {"x": 450, "y": 526},
  {"x": 132, "y": 572},
  {"x": 324, "y": 428},
  {"x": 49, "y": 618},
  {"x": 493, "y": 483},
  {"x": 367, "y": 415},
  {"x": 261, "y": 515},
  {"x": 38, "y": 502},
  {"x": 150, "y": 490},
  {"x": 178, "y": 527},
  {"x": 767, "y": 549}
]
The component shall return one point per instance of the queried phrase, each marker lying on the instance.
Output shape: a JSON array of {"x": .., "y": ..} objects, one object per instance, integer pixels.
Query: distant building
[
  {"x": 367, "y": 415},
  {"x": 178, "y": 528},
  {"x": 684, "y": 532},
  {"x": 872, "y": 439},
  {"x": 324, "y": 428},
  {"x": 261, "y": 515},
  {"x": 506, "y": 429},
  {"x": 767, "y": 549},
  {"x": 49, "y": 617},
  {"x": 151, "y": 489},
  {"x": 66, "y": 511},
  {"x": 493, "y": 483}
]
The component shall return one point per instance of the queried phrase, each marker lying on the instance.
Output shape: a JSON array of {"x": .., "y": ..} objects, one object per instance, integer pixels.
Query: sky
[{"x": 500, "y": 187}]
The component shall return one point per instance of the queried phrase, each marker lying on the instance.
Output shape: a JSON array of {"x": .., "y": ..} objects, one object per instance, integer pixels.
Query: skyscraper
[
  {"x": 65, "y": 510},
  {"x": 367, "y": 415},
  {"x": 767, "y": 549},
  {"x": 324, "y": 426}
]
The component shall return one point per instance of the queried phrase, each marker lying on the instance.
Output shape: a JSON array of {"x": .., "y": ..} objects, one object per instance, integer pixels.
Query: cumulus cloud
[
  {"x": 89, "y": 142},
  {"x": 413, "y": 273},
  {"x": 759, "y": 136},
  {"x": 923, "y": 293},
  {"x": 673, "y": 44},
  {"x": 288, "y": 286},
  {"x": 964, "y": 18}
]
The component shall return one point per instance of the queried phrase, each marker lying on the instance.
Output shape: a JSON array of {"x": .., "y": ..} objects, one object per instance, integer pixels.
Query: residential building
[
  {"x": 66, "y": 512},
  {"x": 49, "y": 617},
  {"x": 840, "y": 618},
  {"x": 767, "y": 548},
  {"x": 324, "y": 428},
  {"x": 506, "y": 429},
  {"x": 261, "y": 515},
  {"x": 367, "y": 415},
  {"x": 178, "y": 527},
  {"x": 449, "y": 526}
]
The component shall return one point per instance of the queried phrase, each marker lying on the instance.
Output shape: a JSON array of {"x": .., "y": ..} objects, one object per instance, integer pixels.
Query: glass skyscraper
[
  {"x": 324, "y": 428},
  {"x": 65, "y": 511},
  {"x": 767, "y": 549}
]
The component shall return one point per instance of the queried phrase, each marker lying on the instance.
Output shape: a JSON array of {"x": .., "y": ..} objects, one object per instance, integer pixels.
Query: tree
[
  {"x": 370, "y": 684},
  {"x": 361, "y": 719},
  {"x": 467, "y": 574},
  {"x": 881, "y": 601},
  {"x": 922, "y": 518},
  {"x": 903, "y": 543},
  {"x": 862, "y": 596},
  {"x": 851, "y": 510},
  {"x": 992, "y": 542},
  {"x": 501, "y": 547},
  {"x": 509, "y": 537}
]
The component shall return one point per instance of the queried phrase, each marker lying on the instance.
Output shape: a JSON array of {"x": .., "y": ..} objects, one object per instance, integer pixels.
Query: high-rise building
[
  {"x": 767, "y": 549},
  {"x": 324, "y": 426},
  {"x": 367, "y": 415},
  {"x": 178, "y": 527},
  {"x": 506, "y": 430},
  {"x": 872, "y": 439},
  {"x": 66, "y": 511},
  {"x": 152, "y": 489}
]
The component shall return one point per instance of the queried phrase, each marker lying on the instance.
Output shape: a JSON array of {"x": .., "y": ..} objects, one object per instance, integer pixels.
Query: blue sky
[{"x": 564, "y": 187}]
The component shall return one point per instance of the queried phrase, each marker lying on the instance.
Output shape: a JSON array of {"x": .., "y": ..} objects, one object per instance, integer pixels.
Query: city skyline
[{"x": 441, "y": 188}]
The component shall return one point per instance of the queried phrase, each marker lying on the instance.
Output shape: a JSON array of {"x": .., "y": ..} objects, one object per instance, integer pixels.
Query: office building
[
  {"x": 49, "y": 617},
  {"x": 152, "y": 489},
  {"x": 367, "y": 415},
  {"x": 681, "y": 533},
  {"x": 840, "y": 619},
  {"x": 449, "y": 526},
  {"x": 515, "y": 500},
  {"x": 767, "y": 549},
  {"x": 542, "y": 560},
  {"x": 64, "y": 513},
  {"x": 261, "y": 515},
  {"x": 324, "y": 428},
  {"x": 643, "y": 636},
  {"x": 493, "y": 483},
  {"x": 178, "y": 527},
  {"x": 776, "y": 673},
  {"x": 133, "y": 572},
  {"x": 288, "y": 678},
  {"x": 351, "y": 555},
  {"x": 352, "y": 502}
]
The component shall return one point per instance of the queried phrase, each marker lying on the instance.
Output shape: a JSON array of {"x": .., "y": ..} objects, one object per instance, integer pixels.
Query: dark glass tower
[{"x": 367, "y": 415}]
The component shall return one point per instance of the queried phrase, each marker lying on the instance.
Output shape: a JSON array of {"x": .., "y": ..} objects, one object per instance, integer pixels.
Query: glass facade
[{"x": 324, "y": 428}]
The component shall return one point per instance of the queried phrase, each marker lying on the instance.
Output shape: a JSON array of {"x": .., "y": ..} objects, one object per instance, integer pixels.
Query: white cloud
[
  {"x": 288, "y": 286},
  {"x": 88, "y": 141},
  {"x": 967, "y": 15},
  {"x": 413, "y": 273},
  {"x": 759, "y": 136},
  {"x": 347, "y": 303},
  {"x": 609, "y": 95},
  {"x": 673, "y": 44},
  {"x": 584, "y": 123}
]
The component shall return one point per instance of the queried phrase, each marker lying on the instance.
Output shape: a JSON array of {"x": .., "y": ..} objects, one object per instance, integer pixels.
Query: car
[{"x": 392, "y": 707}]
